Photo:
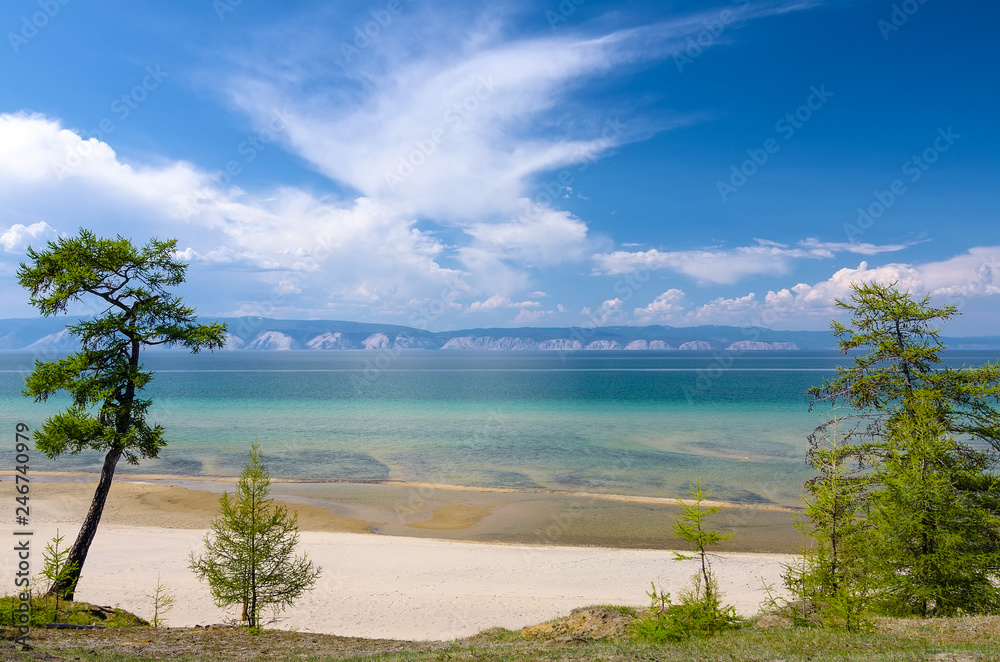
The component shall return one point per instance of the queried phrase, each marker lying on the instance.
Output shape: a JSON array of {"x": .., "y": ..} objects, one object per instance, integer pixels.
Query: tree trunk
[{"x": 78, "y": 553}]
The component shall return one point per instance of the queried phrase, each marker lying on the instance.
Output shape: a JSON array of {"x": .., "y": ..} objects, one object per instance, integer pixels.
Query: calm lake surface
[{"x": 637, "y": 423}]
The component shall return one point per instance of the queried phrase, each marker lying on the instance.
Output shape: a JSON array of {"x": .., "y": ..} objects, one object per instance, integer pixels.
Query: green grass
[
  {"x": 797, "y": 644},
  {"x": 43, "y": 610},
  {"x": 957, "y": 640}
]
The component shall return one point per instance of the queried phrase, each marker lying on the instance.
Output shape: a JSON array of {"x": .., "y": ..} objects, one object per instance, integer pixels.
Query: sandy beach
[{"x": 379, "y": 583}]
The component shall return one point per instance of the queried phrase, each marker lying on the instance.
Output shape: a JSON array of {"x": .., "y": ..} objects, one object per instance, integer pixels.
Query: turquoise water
[{"x": 645, "y": 423}]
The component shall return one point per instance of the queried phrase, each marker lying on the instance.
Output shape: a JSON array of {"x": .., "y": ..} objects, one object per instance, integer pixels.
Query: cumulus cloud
[
  {"x": 666, "y": 308},
  {"x": 439, "y": 135},
  {"x": 973, "y": 274},
  {"x": 528, "y": 312},
  {"x": 39, "y": 158},
  {"x": 17, "y": 237},
  {"x": 530, "y": 317},
  {"x": 546, "y": 238},
  {"x": 496, "y": 302},
  {"x": 611, "y": 311},
  {"x": 735, "y": 311},
  {"x": 227, "y": 256},
  {"x": 322, "y": 251}
]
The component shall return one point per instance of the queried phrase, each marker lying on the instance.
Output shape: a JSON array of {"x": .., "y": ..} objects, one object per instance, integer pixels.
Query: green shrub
[
  {"x": 693, "y": 616},
  {"x": 700, "y": 611},
  {"x": 43, "y": 610}
]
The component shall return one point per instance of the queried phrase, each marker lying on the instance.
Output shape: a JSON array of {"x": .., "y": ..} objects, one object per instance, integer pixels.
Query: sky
[{"x": 448, "y": 165}]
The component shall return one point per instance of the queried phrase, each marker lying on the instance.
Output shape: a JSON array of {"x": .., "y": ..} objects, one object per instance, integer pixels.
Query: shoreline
[
  {"x": 387, "y": 587},
  {"x": 422, "y": 485},
  {"x": 411, "y": 563},
  {"x": 421, "y": 510}
]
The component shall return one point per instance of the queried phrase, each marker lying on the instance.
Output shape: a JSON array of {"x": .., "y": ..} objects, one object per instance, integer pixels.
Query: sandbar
[{"x": 403, "y": 562}]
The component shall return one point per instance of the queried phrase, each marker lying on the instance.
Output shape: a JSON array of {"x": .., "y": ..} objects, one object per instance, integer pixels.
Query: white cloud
[
  {"x": 447, "y": 130},
  {"x": 549, "y": 237},
  {"x": 39, "y": 157},
  {"x": 728, "y": 266},
  {"x": 819, "y": 298},
  {"x": 666, "y": 308},
  {"x": 610, "y": 311},
  {"x": 17, "y": 237},
  {"x": 494, "y": 302},
  {"x": 304, "y": 253},
  {"x": 530, "y": 317},
  {"x": 973, "y": 274},
  {"x": 735, "y": 311},
  {"x": 225, "y": 255},
  {"x": 456, "y": 123},
  {"x": 485, "y": 271},
  {"x": 709, "y": 266},
  {"x": 830, "y": 248},
  {"x": 286, "y": 287},
  {"x": 484, "y": 114},
  {"x": 497, "y": 302}
]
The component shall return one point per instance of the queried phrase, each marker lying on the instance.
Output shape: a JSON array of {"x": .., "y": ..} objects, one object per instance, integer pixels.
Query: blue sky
[{"x": 449, "y": 165}]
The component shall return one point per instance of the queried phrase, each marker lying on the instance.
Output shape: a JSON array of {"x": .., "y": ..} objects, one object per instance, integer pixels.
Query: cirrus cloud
[{"x": 729, "y": 266}]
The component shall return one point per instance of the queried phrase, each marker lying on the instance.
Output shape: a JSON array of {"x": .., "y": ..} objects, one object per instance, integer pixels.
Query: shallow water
[{"x": 644, "y": 423}]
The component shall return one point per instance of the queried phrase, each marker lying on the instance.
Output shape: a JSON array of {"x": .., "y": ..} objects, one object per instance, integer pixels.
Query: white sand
[{"x": 396, "y": 587}]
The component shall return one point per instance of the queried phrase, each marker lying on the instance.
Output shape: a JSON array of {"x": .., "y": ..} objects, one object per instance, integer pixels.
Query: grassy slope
[{"x": 959, "y": 640}]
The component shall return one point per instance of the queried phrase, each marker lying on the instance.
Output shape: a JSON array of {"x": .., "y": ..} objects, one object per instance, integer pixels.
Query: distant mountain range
[{"x": 259, "y": 333}]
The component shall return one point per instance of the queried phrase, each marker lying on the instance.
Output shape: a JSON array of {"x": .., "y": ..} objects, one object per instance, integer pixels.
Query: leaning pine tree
[
  {"x": 104, "y": 379},
  {"x": 248, "y": 557}
]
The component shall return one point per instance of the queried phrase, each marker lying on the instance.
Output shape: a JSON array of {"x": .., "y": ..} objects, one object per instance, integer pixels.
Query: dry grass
[{"x": 573, "y": 638}]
